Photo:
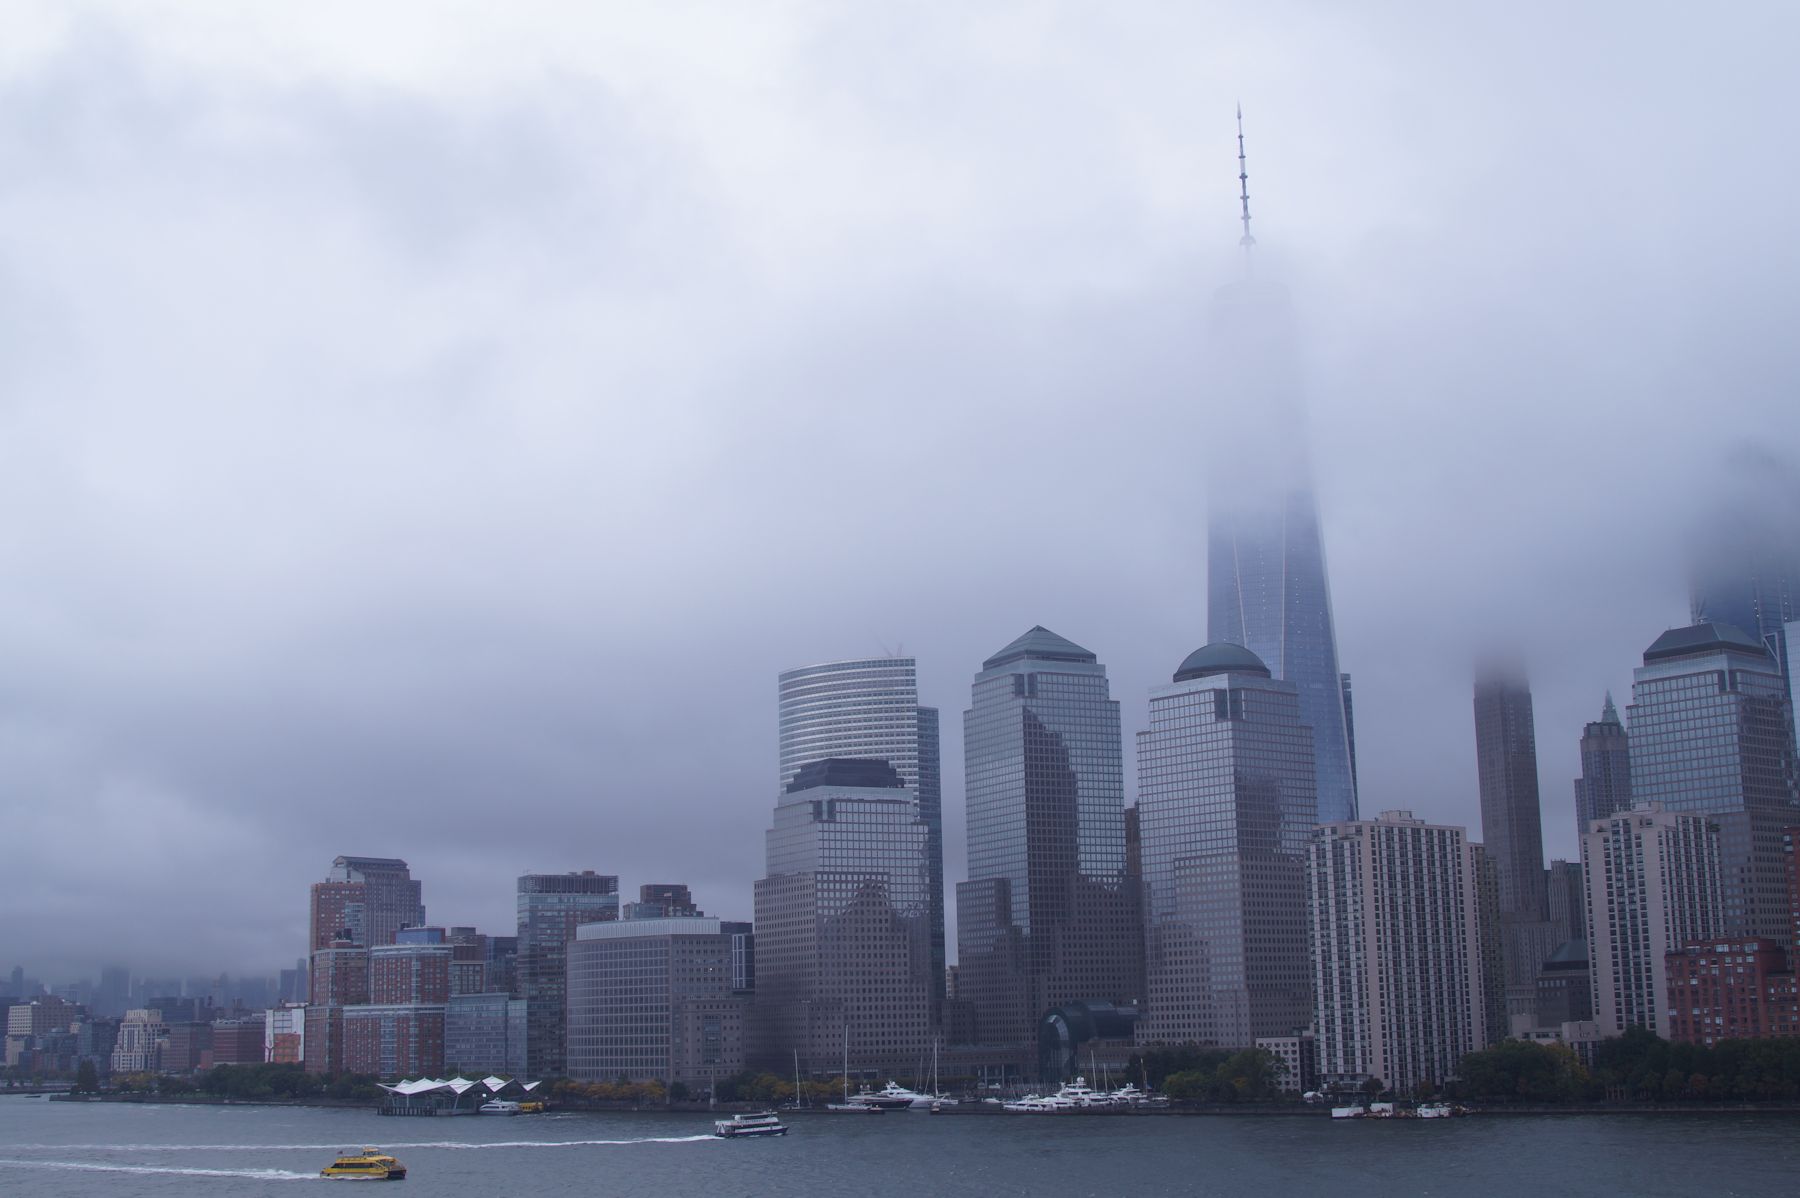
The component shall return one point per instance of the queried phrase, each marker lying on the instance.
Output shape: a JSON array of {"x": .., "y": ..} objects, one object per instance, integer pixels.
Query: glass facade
[
  {"x": 551, "y": 908},
  {"x": 843, "y": 949},
  {"x": 868, "y": 708},
  {"x": 1267, "y": 591},
  {"x": 1047, "y": 916},
  {"x": 485, "y": 1033},
  {"x": 1711, "y": 734},
  {"x": 1226, "y": 805}
]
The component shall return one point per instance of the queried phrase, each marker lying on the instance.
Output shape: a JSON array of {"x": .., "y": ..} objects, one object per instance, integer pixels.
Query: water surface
[{"x": 65, "y": 1150}]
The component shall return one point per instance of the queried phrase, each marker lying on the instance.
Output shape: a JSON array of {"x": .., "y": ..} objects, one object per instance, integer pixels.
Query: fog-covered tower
[{"x": 1266, "y": 582}]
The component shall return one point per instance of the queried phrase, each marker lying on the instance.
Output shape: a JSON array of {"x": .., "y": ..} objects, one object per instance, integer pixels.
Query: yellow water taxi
[{"x": 371, "y": 1164}]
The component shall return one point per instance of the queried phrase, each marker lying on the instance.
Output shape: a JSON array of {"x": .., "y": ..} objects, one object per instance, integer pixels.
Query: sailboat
[{"x": 851, "y": 1106}]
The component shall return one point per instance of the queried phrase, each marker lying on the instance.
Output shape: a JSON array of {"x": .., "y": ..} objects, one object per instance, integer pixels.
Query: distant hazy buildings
[
  {"x": 1047, "y": 916},
  {"x": 551, "y": 907},
  {"x": 1396, "y": 949},
  {"x": 843, "y": 947},
  {"x": 1226, "y": 806},
  {"x": 1710, "y": 734},
  {"x": 652, "y": 999},
  {"x": 1604, "y": 788},
  {"x": 1653, "y": 885},
  {"x": 868, "y": 708}
]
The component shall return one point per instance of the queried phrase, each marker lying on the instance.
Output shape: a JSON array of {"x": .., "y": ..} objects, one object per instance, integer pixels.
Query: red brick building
[{"x": 1738, "y": 989}]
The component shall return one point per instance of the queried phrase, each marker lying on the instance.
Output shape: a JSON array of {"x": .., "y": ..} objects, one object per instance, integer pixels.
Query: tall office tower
[
  {"x": 1746, "y": 564},
  {"x": 1711, "y": 735},
  {"x": 372, "y": 897},
  {"x": 1266, "y": 578},
  {"x": 1506, "y": 761},
  {"x": 1493, "y": 956},
  {"x": 113, "y": 995},
  {"x": 1227, "y": 807},
  {"x": 551, "y": 907},
  {"x": 843, "y": 942},
  {"x": 1046, "y": 916},
  {"x": 1568, "y": 900},
  {"x": 1653, "y": 884},
  {"x": 1512, "y": 834},
  {"x": 1396, "y": 949},
  {"x": 651, "y": 999},
  {"x": 869, "y": 709},
  {"x": 1604, "y": 788}
]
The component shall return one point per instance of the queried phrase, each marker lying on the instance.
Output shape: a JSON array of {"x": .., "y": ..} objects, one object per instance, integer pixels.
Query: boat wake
[
  {"x": 180, "y": 1171},
  {"x": 338, "y": 1145}
]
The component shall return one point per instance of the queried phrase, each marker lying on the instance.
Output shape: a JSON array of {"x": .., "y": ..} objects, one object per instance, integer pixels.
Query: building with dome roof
[{"x": 1226, "y": 802}]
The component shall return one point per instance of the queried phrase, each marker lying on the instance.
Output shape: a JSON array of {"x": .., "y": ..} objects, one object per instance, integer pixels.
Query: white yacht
[
  {"x": 1079, "y": 1094},
  {"x": 499, "y": 1106}
]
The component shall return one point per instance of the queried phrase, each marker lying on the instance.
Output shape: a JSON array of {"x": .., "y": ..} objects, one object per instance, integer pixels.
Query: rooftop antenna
[{"x": 1243, "y": 184}]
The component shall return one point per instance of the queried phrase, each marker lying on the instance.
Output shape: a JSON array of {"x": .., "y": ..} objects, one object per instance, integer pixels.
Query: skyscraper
[
  {"x": 1396, "y": 949},
  {"x": 371, "y": 897},
  {"x": 868, "y": 708},
  {"x": 551, "y": 907},
  {"x": 843, "y": 950},
  {"x": 651, "y": 999},
  {"x": 1512, "y": 834},
  {"x": 1511, "y": 823},
  {"x": 1710, "y": 734},
  {"x": 1746, "y": 567},
  {"x": 1266, "y": 579},
  {"x": 1653, "y": 884},
  {"x": 1047, "y": 915},
  {"x": 1226, "y": 808},
  {"x": 1604, "y": 787}
]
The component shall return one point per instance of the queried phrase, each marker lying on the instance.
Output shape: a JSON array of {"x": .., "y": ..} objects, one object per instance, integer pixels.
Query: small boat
[
  {"x": 762, "y": 1123},
  {"x": 852, "y": 1107},
  {"x": 371, "y": 1164},
  {"x": 533, "y": 1108},
  {"x": 500, "y": 1106}
]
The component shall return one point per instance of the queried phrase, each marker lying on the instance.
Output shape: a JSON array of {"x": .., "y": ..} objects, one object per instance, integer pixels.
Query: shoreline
[{"x": 978, "y": 1110}]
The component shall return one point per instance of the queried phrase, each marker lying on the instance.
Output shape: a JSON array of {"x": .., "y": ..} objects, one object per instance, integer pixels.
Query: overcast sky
[{"x": 426, "y": 429}]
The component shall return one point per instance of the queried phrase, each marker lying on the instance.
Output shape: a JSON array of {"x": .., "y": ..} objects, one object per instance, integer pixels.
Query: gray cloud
[{"x": 433, "y": 441}]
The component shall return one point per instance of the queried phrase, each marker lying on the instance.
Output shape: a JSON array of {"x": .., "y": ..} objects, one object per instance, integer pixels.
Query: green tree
[{"x": 87, "y": 1078}]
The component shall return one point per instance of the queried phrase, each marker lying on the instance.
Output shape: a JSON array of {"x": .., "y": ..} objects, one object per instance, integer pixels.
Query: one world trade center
[{"x": 1266, "y": 582}]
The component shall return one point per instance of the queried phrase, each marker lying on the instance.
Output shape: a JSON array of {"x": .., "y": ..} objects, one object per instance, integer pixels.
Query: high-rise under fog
[{"x": 1266, "y": 582}]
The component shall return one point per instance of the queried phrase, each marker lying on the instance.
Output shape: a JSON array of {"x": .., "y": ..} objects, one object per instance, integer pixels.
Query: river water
[{"x": 57, "y": 1149}]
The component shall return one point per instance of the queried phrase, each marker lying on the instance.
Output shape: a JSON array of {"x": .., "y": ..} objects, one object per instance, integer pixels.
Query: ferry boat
[
  {"x": 371, "y": 1164},
  {"x": 762, "y": 1123},
  {"x": 500, "y": 1106}
]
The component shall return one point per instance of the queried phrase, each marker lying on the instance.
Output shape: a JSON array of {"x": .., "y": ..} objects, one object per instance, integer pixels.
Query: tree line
[{"x": 1639, "y": 1066}]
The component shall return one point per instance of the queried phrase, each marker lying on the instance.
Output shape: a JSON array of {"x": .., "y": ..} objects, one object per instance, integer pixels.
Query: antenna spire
[{"x": 1243, "y": 184}]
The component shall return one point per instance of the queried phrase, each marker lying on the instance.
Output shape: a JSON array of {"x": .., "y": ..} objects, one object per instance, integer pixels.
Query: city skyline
[{"x": 437, "y": 463}]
